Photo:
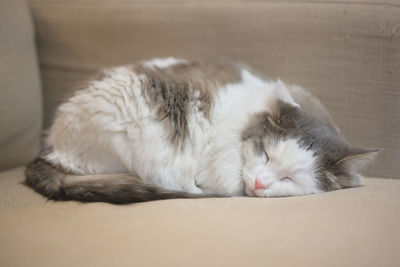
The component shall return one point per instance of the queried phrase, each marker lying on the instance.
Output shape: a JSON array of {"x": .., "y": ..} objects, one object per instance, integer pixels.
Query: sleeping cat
[{"x": 169, "y": 128}]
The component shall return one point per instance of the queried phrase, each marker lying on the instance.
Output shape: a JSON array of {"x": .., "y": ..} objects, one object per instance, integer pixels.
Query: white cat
[{"x": 170, "y": 128}]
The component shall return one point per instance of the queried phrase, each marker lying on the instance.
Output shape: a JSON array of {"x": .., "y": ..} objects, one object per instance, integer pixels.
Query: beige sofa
[{"x": 346, "y": 52}]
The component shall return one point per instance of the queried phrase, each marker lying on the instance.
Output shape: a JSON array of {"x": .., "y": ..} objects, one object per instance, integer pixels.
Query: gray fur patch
[
  {"x": 118, "y": 189},
  {"x": 172, "y": 90},
  {"x": 45, "y": 178}
]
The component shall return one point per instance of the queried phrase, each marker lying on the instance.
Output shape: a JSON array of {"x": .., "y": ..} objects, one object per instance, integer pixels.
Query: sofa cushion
[
  {"x": 346, "y": 52},
  {"x": 353, "y": 227},
  {"x": 20, "y": 101}
]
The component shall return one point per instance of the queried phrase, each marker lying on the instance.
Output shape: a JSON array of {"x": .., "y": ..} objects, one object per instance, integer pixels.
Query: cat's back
[
  {"x": 165, "y": 90},
  {"x": 141, "y": 114}
]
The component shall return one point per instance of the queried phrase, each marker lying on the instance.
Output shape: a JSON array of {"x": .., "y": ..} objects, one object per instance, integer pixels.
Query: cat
[{"x": 171, "y": 128}]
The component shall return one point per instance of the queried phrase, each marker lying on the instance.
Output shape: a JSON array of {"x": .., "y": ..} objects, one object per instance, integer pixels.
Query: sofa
[{"x": 347, "y": 53}]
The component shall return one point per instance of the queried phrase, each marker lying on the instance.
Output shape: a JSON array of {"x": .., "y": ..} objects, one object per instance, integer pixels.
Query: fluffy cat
[{"x": 170, "y": 128}]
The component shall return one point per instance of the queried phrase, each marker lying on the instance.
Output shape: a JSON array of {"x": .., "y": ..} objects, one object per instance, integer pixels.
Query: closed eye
[
  {"x": 266, "y": 157},
  {"x": 287, "y": 179}
]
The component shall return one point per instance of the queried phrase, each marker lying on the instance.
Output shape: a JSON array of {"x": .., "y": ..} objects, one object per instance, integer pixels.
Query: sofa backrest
[
  {"x": 20, "y": 91},
  {"x": 346, "y": 52}
]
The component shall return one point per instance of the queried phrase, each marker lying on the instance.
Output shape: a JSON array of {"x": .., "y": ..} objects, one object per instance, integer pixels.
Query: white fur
[
  {"x": 286, "y": 160},
  {"x": 109, "y": 128},
  {"x": 220, "y": 169}
]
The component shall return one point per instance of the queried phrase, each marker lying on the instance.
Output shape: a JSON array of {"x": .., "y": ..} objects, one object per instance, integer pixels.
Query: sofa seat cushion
[{"x": 353, "y": 227}]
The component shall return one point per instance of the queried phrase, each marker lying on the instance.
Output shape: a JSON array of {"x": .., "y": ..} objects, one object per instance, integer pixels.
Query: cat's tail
[{"x": 57, "y": 184}]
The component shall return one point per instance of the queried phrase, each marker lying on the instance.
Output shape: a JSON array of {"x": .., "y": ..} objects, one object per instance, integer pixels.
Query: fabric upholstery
[
  {"x": 355, "y": 227},
  {"x": 346, "y": 52},
  {"x": 20, "y": 101}
]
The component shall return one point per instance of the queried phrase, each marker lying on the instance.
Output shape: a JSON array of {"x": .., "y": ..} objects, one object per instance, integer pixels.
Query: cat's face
[
  {"x": 275, "y": 168},
  {"x": 292, "y": 153}
]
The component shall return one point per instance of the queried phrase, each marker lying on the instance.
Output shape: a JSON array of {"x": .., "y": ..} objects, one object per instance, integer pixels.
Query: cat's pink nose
[{"x": 260, "y": 185}]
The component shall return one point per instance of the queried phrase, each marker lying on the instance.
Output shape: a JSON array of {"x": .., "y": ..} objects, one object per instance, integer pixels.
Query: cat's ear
[
  {"x": 352, "y": 163},
  {"x": 357, "y": 159},
  {"x": 279, "y": 93},
  {"x": 282, "y": 93}
]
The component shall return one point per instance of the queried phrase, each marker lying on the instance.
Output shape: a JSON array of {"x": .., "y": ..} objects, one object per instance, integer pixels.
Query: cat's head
[{"x": 288, "y": 152}]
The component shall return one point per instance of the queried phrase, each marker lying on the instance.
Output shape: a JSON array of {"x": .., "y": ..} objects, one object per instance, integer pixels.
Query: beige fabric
[
  {"x": 355, "y": 227},
  {"x": 20, "y": 92},
  {"x": 346, "y": 52}
]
